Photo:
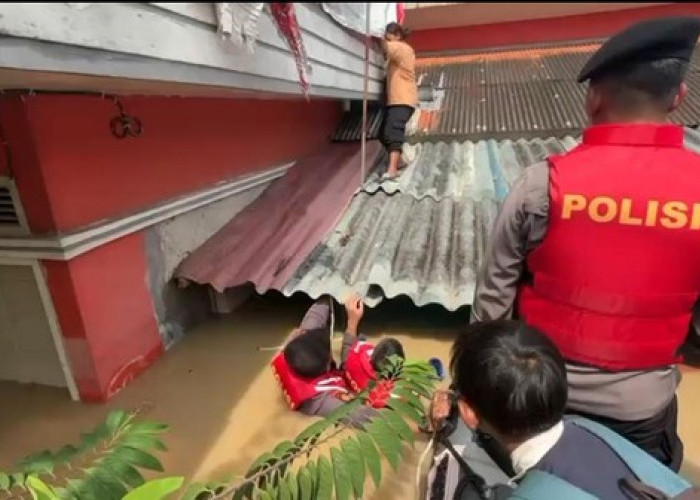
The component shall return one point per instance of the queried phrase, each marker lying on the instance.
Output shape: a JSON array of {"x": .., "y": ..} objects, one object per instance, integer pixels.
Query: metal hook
[{"x": 124, "y": 125}]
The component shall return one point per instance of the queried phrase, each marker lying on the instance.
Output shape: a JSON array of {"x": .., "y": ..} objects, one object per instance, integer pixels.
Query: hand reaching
[{"x": 355, "y": 309}]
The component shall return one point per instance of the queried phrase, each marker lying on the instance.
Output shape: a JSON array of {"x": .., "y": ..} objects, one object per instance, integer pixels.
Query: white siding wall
[{"x": 172, "y": 43}]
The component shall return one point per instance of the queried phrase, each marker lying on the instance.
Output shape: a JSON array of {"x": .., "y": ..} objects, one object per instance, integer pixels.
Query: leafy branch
[
  {"x": 300, "y": 470},
  {"x": 105, "y": 465}
]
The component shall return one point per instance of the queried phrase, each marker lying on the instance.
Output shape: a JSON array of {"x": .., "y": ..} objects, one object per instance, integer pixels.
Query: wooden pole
[{"x": 365, "y": 89}]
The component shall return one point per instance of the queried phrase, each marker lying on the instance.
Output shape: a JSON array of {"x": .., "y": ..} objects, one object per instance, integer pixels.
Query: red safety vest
[
  {"x": 358, "y": 366},
  {"x": 618, "y": 272},
  {"x": 298, "y": 389}
]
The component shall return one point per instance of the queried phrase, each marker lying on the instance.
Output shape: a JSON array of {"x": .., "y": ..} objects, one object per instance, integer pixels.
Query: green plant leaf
[
  {"x": 126, "y": 473},
  {"x": 147, "y": 427},
  {"x": 283, "y": 492},
  {"x": 39, "y": 489},
  {"x": 143, "y": 442},
  {"x": 115, "y": 420},
  {"x": 194, "y": 490},
  {"x": 371, "y": 456},
  {"x": 262, "y": 461},
  {"x": 283, "y": 448},
  {"x": 324, "y": 490},
  {"x": 313, "y": 431},
  {"x": 356, "y": 465},
  {"x": 422, "y": 368},
  {"x": 64, "y": 494},
  {"x": 38, "y": 462},
  {"x": 94, "y": 489},
  {"x": 109, "y": 483},
  {"x": 306, "y": 487},
  {"x": 137, "y": 458},
  {"x": 341, "y": 471},
  {"x": 101, "y": 431},
  {"x": 398, "y": 425},
  {"x": 409, "y": 397},
  {"x": 4, "y": 481},
  {"x": 416, "y": 387},
  {"x": 386, "y": 440},
  {"x": 405, "y": 410},
  {"x": 244, "y": 492},
  {"x": 313, "y": 475},
  {"x": 156, "y": 489},
  {"x": 344, "y": 410},
  {"x": 75, "y": 486},
  {"x": 18, "y": 479},
  {"x": 281, "y": 451},
  {"x": 89, "y": 441},
  {"x": 419, "y": 377},
  {"x": 264, "y": 495},
  {"x": 65, "y": 454},
  {"x": 293, "y": 484}
]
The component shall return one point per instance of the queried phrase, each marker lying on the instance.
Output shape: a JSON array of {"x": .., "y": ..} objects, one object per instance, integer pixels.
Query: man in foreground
[
  {"x": 598, "y": 248},
  {"x": 510, "y": 381}
]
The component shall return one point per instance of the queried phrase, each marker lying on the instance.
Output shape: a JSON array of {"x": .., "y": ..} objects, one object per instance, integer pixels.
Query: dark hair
[
  {"x": 398, "y": 30},
  {"x": 383, "y": 351},
  {"x": 511, "y": 375},
  {"x": 309, "y": 353},
  {"x": 637, "y": 84}
]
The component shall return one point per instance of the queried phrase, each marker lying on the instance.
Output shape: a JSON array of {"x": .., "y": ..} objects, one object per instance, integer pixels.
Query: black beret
[{"x": 667, "y": 38}]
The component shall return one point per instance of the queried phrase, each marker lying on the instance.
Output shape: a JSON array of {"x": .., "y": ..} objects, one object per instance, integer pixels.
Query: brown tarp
[{"x": 266, "y": 242}]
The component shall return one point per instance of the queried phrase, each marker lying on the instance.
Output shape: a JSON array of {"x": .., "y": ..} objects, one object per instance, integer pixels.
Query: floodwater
[{"x": 218, "y": 394}]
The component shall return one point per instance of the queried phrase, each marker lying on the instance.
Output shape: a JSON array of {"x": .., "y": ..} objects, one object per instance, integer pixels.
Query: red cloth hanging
[
  {"x": 400, "y": 13},
  {"x": 286, "y": 19}
]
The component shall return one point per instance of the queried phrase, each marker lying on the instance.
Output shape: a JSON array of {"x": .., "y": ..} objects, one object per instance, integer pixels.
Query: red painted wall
[
  {"x": 19, "y": 138},
  {"x": 187, "y": 144},
  {"x": 541, "y": 30},
  {"x": 71, "y": 172},
  {"x": 106, "y": 315}
]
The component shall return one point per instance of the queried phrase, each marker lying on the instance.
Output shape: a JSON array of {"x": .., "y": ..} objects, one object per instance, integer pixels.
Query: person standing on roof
[
  {"x": 402, "y": 93},
  {"x": 598, "y": 248}
]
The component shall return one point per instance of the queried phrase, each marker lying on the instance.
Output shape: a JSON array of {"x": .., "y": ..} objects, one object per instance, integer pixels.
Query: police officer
[{"x": 599, "y": 248}]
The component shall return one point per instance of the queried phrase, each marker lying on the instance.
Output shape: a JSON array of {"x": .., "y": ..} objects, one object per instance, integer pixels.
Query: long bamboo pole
[{"x": 365, "y": 89}]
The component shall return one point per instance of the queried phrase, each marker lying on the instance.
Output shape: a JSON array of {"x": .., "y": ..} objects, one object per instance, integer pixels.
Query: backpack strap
[
  {"x": 645, "y": 467},
  {"x": 538, "y": 484}
]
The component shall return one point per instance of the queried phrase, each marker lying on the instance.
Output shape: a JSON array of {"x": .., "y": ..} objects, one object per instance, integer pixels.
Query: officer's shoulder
[{"x": 533, "y": 188}]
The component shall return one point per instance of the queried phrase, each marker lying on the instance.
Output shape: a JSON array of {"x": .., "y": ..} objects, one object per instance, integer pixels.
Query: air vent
[
  {"x": 8, "y": 212},
  {"x": 12, "y": 221}
]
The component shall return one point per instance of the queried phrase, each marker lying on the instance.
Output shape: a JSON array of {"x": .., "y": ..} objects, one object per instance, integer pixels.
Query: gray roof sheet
[
  {"x": 424, "y": 238},
  {"x": 474, "y": 170}
]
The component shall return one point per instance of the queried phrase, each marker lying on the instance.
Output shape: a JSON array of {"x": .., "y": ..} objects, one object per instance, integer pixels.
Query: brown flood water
[{"x": 217, "y": 392}]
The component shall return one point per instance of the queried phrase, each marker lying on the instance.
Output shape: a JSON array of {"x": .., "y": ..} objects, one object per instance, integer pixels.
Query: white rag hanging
[
  {"x": 352, "y": 16},
  {"x": 238, "y": 23}
]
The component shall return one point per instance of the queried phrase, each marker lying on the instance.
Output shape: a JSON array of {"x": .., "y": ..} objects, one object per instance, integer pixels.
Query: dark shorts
[
  {"x": 657, "y": 435},
  {"x": 393, "y": 133}
]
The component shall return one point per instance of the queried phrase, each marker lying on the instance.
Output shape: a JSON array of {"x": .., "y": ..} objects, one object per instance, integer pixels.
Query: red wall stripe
[{"x": 577, "y": 27}]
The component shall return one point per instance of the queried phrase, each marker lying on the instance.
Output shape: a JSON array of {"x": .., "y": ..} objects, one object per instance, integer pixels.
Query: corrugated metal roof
[
  {"x": 504, "y": 67},
  {"x": 267, "y": 242},
  {"x": 512, "y": 111},
  {"x": 387, "y": 246},
  {"x": 350, "y": 128},
  {"x": 474, "y": 170},
  {"x": 523, "y": 93},
  {"x": 408, "y": 243}
]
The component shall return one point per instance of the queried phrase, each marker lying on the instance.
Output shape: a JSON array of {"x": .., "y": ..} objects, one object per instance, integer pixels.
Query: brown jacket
[{"x": 401, "y": 74}]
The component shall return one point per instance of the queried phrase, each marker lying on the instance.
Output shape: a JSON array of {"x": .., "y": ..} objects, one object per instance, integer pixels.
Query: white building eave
[{"x": 172, "y": 49}]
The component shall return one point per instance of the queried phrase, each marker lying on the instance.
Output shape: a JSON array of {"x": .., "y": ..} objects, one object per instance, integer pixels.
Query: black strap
[
  {"x": 637, "y": 490},
  {"x": 495, "y": 451},
  {"x": 475, "y": 480}
]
